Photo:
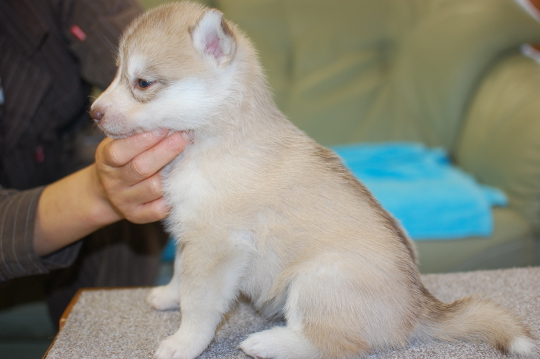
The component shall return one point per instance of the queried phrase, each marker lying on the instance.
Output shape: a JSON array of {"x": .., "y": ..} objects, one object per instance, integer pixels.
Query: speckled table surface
[{"x": 117, "y": 323}]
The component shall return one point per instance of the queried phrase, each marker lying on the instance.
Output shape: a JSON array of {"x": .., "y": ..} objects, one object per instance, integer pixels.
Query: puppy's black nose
[{"x": 96, "y": 115}]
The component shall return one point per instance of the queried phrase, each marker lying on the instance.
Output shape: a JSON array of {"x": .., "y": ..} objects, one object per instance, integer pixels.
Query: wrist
[
  {"x": 70, "y": 209},
  {"x": 103, "y": 212}
]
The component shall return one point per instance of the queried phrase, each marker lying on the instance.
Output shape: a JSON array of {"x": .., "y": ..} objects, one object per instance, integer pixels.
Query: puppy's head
[{"x": 176, "y": 69}]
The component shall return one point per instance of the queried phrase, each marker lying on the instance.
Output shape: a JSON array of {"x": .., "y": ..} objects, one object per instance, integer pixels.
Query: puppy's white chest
[{"x": 188, "y": 190}]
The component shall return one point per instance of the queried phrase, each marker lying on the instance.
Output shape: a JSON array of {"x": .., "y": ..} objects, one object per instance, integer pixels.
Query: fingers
[
  {"x": 120, "y": 152},
  {"x": 144, "y": 202},
  {"x": 129, "y": 172},
  {"x": 155, "y": 158},
  {"x": 131, "y": 151},
  {"x": 151, "y": 212}
]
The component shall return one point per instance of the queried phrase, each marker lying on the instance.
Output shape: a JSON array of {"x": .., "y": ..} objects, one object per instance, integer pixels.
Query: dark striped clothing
[
  {"x": 52, "y": 52},
  {"x": 17, "y": 257},
  {"x": 47, "y": 74}
]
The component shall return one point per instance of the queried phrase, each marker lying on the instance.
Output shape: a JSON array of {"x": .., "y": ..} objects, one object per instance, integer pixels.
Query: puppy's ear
[{"x": 213, "y": 38}]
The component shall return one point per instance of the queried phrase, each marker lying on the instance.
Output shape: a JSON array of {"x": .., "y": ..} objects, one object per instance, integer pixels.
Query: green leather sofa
[
  {"x": 443, "y": 72},
  {"x": 447, "y": 73}
]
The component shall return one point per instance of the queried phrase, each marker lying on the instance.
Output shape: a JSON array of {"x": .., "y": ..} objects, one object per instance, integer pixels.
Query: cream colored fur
[{"x": 261, "y": 209}]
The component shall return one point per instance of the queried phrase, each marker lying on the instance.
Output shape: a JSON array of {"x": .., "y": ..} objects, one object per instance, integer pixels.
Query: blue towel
[
  {"x": 431, "y": 198},
  {"x": 169, "y": 252}
]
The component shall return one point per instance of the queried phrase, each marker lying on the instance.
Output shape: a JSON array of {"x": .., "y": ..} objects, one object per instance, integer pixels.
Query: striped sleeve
[{"x": 17, "y": 256}]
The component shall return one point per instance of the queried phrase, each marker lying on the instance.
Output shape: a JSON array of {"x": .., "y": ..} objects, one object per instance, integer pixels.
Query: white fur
[
  {"x": 279, "y": 343},
  {"x": 198, "y": 98},
  {"x": 522, "y": 346},
  {"x": 136, "y": 66}
]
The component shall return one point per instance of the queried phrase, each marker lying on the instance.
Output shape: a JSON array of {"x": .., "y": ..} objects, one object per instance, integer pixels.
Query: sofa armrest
[{"x": 500, "y": 139}]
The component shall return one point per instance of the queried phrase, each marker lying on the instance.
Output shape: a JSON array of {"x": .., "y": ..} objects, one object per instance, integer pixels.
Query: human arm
[
  {"x": 40, "y": 227},
  {"x": 124, "y": 182}
]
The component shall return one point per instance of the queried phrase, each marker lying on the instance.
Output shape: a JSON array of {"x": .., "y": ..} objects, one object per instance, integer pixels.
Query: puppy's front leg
[
  {"x": 168, "y": 296},
  {"x": 209, "y": 283}
]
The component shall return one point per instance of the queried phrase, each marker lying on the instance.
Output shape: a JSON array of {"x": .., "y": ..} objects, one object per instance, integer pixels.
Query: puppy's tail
[{"x": 476, "y": 319}]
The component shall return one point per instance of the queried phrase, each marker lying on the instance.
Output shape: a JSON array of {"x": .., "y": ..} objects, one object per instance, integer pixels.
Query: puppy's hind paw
[
  {"x": 278, "y": 343},
  {"x": 163, "y": 298},
  {"x": 254, "y": 347}
]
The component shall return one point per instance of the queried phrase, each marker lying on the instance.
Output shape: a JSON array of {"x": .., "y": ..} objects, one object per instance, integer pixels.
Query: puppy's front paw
[
  {"x": 180, "y": 347},
  {"x": 163, "y": 298},
  {"x": 170, "y": 349}
]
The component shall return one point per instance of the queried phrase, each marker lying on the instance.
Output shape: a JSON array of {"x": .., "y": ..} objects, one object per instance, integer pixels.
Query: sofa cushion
[
  {"x": 511, "y": 245},
  {"x": 500, "y": 137},
  {"x": 351, "y": 71}
]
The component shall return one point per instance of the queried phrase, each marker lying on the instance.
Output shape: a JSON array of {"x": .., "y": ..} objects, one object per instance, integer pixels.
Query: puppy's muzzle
[{"x": 96, "y": 115}]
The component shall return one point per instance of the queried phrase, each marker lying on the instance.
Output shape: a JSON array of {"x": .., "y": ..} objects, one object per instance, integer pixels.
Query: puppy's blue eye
[{"x": 144, "y": 83}]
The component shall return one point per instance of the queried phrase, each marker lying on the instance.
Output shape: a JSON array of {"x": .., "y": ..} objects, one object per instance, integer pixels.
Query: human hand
[
  {"x": 124, "y": 182},
  {"x": 129, "y": 172}
]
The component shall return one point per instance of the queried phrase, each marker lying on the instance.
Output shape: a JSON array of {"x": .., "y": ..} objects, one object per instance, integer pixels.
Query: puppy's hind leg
[
  {"x": 287, "y": 342},
  {"x": 319, "y": 322}
]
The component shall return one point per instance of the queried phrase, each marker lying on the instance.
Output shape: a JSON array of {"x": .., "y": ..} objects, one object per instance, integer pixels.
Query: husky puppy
[{"x": 261, "y": 209}]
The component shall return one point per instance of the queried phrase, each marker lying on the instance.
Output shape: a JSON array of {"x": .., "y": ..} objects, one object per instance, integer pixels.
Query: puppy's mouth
[
  {"x": 119, "y": 135},
  {"x": 188, "y": 135}
]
